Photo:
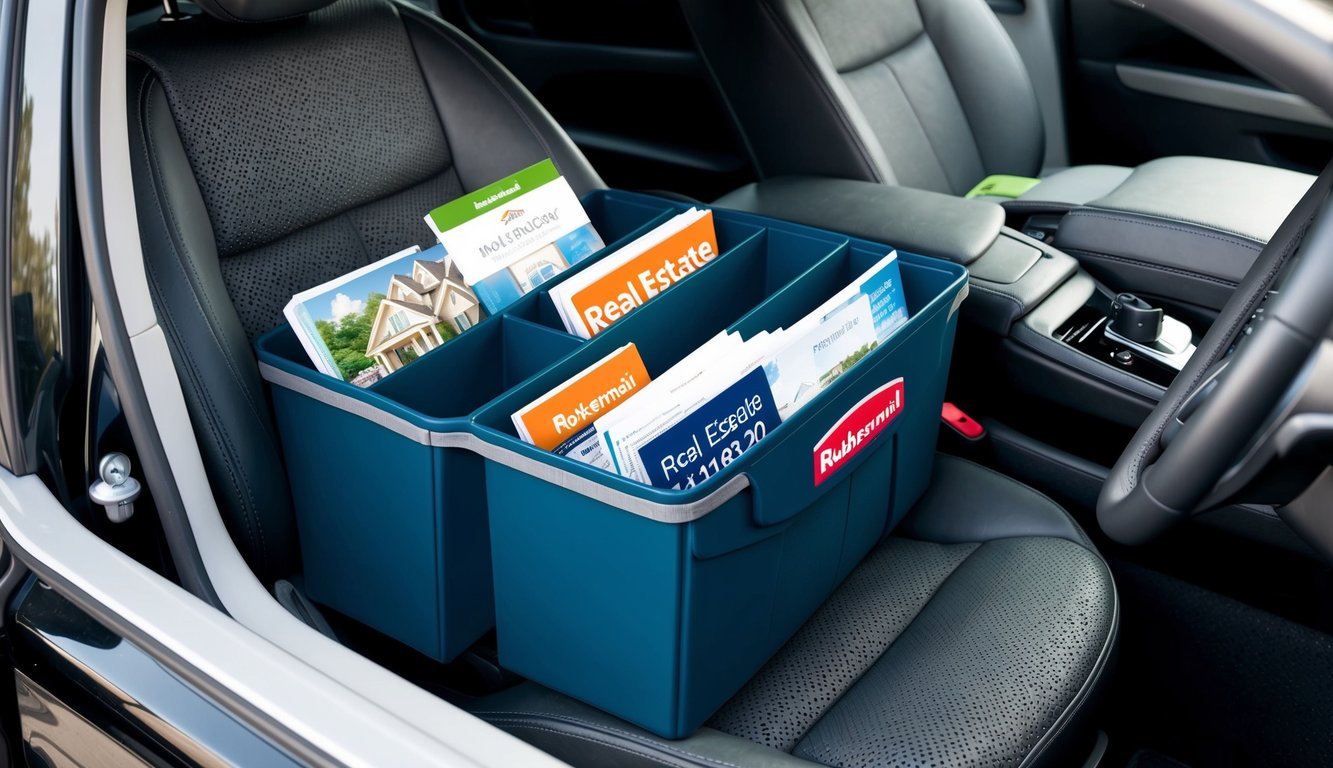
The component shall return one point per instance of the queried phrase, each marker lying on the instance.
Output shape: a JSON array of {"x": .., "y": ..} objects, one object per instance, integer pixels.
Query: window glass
[{"x": 37, "y": 219}]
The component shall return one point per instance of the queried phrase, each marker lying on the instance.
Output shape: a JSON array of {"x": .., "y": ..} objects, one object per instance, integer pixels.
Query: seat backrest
[
  {"x": 928, "y": 94},
  {"x": 270, "y": 157}
]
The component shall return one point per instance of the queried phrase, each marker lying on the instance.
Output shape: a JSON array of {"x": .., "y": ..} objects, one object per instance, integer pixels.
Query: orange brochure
[
  {"x": 628, "y": 286},
  {"x": 563, "y": 420}
]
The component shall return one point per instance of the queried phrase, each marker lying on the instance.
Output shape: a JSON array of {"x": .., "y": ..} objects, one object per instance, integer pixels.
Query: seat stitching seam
[
  {"x": 210, "y": 413},
  {"x": 997, "y": 292},
  {"x": 1096, "y": 205},
  {"x": 347, "y": 221},
  {"x": 1156, "y": 267},
  {"x": 916, "y": 114},
  {"x": 881, "y": 58},
  {"x": 1042, "y": 205},
  {"x": 439, "y": 113},
  {"x": 1216, "y": 234},
  {"x": 218, "y": 9},
  {"x": 1083, "y": 536},
  {"x": 812, "y": 72}
]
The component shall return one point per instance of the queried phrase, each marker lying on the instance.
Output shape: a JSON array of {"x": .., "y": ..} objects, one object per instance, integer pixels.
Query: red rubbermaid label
[{"x": 857, "y": 428}]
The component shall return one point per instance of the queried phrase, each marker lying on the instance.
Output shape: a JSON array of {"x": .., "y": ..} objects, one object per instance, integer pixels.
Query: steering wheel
[{"x": 1259, "y": 382}]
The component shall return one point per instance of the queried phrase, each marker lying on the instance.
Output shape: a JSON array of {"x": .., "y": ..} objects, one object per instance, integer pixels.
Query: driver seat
[{"x": 279, "y": 144}]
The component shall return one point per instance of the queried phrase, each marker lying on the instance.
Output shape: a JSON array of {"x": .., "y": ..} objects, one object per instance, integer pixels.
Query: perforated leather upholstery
[{"x": 977, "y": 635}]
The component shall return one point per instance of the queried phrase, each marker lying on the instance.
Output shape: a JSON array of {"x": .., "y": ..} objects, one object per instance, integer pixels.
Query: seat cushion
[{"x": 980, "y": 648}]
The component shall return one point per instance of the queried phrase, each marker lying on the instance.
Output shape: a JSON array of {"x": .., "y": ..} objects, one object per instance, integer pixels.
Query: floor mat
[
  {"x": 1147, "y": 758},
  {"x": 1215, "y": 682}
]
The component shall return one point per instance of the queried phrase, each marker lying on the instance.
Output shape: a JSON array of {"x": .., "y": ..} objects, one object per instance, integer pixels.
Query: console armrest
[
  {"x": 1011, "y": 273},
  {"x": 1182, "y": 228},
  {"x": 921, "y": 222}
]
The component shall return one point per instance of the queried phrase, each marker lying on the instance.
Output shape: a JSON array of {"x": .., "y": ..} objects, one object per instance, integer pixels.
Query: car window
[{"x": 39, "y": 240}]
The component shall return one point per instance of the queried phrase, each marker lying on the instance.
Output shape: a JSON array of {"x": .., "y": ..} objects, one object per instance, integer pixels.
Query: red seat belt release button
[{"x": 961, "y": 423}]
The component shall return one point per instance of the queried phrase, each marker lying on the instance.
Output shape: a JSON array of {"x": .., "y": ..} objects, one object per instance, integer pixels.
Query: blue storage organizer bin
[
  {"x": 403, "y": 547},
  {"x": 657, "y": 605},
  {"x": 654, "y": 605}
]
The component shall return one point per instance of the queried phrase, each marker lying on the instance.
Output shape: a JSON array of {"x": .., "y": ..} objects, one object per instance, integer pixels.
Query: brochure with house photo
[
  {"x": 369, "y": 323},
  {"x": 512, "y": 236}
]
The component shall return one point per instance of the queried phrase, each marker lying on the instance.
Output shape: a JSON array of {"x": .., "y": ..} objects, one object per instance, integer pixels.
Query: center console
[
  {"x": 1060, "y": 334},
  {"x": 1073, "y": 349}
]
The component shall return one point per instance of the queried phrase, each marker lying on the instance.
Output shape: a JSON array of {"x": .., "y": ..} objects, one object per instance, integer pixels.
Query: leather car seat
[
  {"x": 278, "y": 144},
  {"x": 928, "y": 94}
]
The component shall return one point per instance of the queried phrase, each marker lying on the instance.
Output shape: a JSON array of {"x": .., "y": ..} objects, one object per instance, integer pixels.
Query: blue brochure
[{"x": 714, "y": 435}]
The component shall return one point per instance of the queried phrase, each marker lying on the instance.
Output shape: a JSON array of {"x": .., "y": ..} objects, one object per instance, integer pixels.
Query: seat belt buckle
[{"x": 967, "y": 427}]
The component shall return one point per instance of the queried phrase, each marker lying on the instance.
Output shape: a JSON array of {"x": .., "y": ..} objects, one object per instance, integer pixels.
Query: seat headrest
[{"x": 252, "y": 11}]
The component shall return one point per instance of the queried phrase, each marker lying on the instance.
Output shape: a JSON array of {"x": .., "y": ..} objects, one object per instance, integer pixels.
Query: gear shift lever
[
  {"x": 1149, "y": 331},
  {"x": 1135, "y": 319}
]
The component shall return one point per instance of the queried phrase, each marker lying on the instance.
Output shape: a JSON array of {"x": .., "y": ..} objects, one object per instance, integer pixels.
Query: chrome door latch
[{"x": 116, "y": 491}]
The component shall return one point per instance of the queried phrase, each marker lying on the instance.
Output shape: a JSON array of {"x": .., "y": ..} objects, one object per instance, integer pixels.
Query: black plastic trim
[{"x": 1042, "y": 374}]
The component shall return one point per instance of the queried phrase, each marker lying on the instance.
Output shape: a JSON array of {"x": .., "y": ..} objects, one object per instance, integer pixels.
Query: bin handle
[{"x": 958, "y": 299}]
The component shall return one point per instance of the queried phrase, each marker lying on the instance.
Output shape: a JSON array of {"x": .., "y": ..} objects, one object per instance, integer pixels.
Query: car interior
[{"x": 1121, "y": 557}]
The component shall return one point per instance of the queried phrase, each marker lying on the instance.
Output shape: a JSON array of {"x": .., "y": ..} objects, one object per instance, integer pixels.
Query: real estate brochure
[
  {"x": 724, "y": 397},
  {"x": 711, "y": 436},
  {"x": 695, "y": 381},
  {"x": 828, "y": 341},
  {"x": 883, "y": 285},
  {"x": 511, "y": 236},
  {"x": 369, "y": 323},
  {"x": 564, "y": 420},
  {"x": 621, "y": 282},
  {"x": 810, "y": 362},
  {"x": 658, "y": 403}
]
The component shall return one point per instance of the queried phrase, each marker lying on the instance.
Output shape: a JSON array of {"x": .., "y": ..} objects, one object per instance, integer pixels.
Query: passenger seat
[
  {"x": 278, "y": 144},
  {"x": 932, "y": 95}
]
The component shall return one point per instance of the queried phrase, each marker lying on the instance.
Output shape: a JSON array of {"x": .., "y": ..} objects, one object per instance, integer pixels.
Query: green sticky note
[{"x": 1003, "y": 186}]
